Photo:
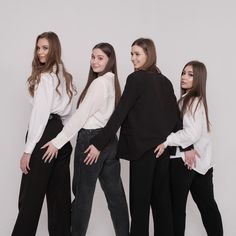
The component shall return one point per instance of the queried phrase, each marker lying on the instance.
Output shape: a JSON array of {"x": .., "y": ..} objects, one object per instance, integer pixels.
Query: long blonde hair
[{"x": 52, "y": 63}]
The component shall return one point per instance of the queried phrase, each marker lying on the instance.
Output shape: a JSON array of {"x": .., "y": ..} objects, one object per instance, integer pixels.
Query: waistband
[
  {"x": 54, "y": 116},
  {"x": 90, "y": 131}
]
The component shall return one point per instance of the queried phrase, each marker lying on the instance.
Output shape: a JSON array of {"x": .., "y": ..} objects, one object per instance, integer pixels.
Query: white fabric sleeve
[
  {"x": 92, "y": 102},
  {"x": 192, "y": 128},
  {"x": 42, "y": 103}
]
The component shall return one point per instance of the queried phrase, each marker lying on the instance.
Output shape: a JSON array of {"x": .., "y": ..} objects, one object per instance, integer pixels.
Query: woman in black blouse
[{"x": 147, "y": 113}]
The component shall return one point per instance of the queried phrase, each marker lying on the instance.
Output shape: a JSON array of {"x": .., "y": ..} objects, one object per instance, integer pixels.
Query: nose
[
  {"x": 184, "y": 77},
  {"x": 94, "y": 61},
  {"x": 40, "y": 51}
]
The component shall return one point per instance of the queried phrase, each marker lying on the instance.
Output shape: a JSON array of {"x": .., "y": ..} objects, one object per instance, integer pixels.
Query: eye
[
  {"x": 45, "y": 48},
  {"x": 100, "y": 58}
]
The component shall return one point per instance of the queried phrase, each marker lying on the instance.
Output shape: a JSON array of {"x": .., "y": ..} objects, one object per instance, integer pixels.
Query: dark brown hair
[
  {"x": 149, "y": 48},
  {"x": 52, "y": 63},
  {"x": 110, "y": 67},
  {"x": 198, "y": 90}
]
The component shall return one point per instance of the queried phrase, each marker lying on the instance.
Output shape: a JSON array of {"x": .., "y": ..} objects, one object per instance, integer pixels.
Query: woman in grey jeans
[{"x": 95, "y": 106}]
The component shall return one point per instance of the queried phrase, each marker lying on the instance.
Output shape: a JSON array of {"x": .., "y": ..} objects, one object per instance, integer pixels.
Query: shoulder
[
  {"x": 142, "y": 74},
  {"x": 137, "y": 77},
  {"x": 137, "y": 74},
  {"x": 46, "y": 81},
  {"x": 102, "y": 82},
  {"x": 196, "y": 105},
  {"x": 103, "y": 79},
  {"x": 47, "y": 77}
]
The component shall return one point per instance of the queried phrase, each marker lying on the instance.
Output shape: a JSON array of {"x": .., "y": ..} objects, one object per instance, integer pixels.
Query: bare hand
[
  {"x": 51, "y": 152},
  {"x": 93, "y": 154},
  {"x": 159, "y": 150},
  {"x": 24, "y": 163},
  {"x": 191, "y": 158}
]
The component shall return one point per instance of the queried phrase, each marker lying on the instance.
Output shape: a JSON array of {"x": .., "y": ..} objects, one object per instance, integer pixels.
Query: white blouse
[
  {"x": 93, "y": 112},
  {"x": 194, "y": 132},
  {"x": 47, "y": 101}
]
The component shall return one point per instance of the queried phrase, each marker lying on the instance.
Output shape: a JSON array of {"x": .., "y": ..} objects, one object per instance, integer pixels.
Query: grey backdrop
[{"x": 182, "y": 30}]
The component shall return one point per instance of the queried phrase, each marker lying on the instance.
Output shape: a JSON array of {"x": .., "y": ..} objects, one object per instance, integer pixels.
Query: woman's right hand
[
  {"x": 50, "y": 153},
  {"x": 92, "y": 155},
  {"x": 190, "y": 158},
  {"x": 159, "y": 150},
  {"x": 24, "y": 163}
]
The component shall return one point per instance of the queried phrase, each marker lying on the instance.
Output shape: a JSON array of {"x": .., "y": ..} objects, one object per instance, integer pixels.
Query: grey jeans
[{"x": 107, "y": 170}]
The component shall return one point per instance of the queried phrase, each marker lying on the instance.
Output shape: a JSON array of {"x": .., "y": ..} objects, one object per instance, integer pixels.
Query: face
[
  {"x": 138, "y": 57},
  {"x": 187, "y": 78},
  {"x": 98, "y": 60},
  {"x": 42, "y": 49}
]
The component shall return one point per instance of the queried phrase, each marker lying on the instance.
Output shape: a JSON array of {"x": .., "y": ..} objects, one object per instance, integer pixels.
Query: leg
[
  {"x": 59, "y": 195},
  {"x": 203, "y": 195},
  {"x": 34, "y": 184},
  {"x": 84, "y": 183},
  {"x": 180, "y": 179},
  {"x": 112, "y": 186},
  {"x": 141, "y": 179},
  {"x": 32, "y": 191},
  {"x": 161, "y": 198}
]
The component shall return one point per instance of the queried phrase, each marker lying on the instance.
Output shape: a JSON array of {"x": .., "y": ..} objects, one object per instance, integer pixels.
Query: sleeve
[
  {"x": 192, "y": 128},
  {"x": 131, "y": 92},
  {"x": 91, "y": 103},
  {"x": 42, "y": 103}
]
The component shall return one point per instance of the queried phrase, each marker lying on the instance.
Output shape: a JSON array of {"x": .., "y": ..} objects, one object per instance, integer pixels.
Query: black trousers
[
  {"x": 50, "y": 179},
  {"x": 149, "y": 186},
  {"x": 201, "y": 188},
  {"x": 107, "y": 171}
]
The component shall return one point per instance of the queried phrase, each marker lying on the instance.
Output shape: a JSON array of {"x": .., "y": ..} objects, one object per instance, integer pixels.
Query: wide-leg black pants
[
  {"x": 149, "y": 187},
  {"x": 184, "y": 181},
  {"x": 50, "y": 179}
]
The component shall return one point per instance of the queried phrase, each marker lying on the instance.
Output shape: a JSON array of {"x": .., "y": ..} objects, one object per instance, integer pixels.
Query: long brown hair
[
  {"x": 110, "y": 67},
  {"x": 52, "y": 63},
  {"x": 198, "y": 90},
  {"x": 149, "y": 48}
]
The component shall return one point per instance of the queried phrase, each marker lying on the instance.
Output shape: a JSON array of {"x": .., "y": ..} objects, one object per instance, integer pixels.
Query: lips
[{"x": 96, "y": 68}]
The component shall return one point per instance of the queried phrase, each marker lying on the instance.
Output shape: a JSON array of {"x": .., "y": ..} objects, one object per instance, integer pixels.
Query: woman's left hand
[
  {"x": 93, "y": 154},
  {"x": 51, "y": 152},
  {"x": 159, "y": 150}
]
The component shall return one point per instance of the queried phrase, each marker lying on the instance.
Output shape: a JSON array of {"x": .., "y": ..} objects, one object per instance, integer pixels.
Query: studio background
[{"x": 182, "y": 30}]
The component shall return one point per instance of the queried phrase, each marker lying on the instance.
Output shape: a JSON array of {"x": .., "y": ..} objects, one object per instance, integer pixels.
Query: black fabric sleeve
[{"x": 131, "y": 92}]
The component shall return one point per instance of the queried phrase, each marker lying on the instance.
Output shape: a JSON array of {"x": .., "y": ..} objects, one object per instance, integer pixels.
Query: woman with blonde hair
[{"x": 50, "y": 86}]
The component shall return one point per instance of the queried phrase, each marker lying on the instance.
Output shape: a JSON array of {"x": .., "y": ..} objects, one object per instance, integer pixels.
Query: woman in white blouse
[
  {"x": 95, "y": 106},
  {"x": 197, "y": 177},
  {"x": 51, "y": 89}
]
